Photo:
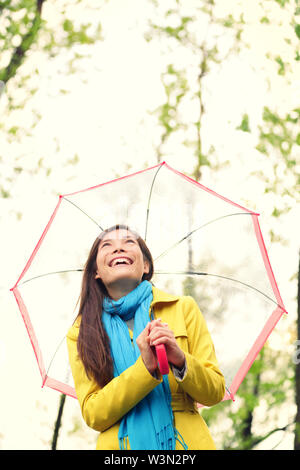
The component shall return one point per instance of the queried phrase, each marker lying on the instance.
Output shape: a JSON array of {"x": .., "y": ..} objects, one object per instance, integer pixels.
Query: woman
[{"x": 122, "y": 316}]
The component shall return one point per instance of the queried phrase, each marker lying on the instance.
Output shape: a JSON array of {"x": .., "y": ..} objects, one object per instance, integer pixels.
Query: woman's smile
[{"x": 120, "y": 261}]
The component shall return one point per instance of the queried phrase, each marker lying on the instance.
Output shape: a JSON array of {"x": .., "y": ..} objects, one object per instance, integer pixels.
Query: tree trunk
[
  {"x": 58, "y": 421},
  {"x": 297, "y": 373}
]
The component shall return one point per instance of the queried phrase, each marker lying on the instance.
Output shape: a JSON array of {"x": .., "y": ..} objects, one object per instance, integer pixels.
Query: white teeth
[{"x": 120, "y": 260}]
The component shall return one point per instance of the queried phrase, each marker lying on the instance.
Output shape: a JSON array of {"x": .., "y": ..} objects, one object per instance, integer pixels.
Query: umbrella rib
[
  {"x": 187, "y": 273},
  {"x": 191, "y": 273},
  {"x": 150, "y": 194},
  {"x": 162, "y": 254},
  {"x": 52, "y": 358},
  {"x": 201, "y": 226},
  {"x": 71, "y": 202},
  {"x": 53, "y": 272}
]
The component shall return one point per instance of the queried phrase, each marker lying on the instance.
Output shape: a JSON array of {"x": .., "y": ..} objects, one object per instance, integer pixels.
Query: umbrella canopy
[{"x": 202, "y": 245}]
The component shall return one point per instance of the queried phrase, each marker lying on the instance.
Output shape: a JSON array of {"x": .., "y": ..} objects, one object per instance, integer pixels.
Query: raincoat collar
[{"x": 161, "y": 296}]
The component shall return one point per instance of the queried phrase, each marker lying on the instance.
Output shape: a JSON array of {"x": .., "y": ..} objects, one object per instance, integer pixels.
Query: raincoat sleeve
[
  {"x": 203, "y": 380},
  {"x": 103, "y": 407}
]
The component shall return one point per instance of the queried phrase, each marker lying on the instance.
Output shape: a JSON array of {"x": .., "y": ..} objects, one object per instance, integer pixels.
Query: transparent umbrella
[{"x": 202, "y": 245}]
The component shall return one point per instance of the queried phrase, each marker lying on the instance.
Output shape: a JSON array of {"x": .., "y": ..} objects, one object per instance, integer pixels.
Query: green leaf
[
  {"x": 262, "y": 148},
  {"x": 229, "y": 21},
  {"x": 276, "y": 212},
  {"x": 5, "y": 194},
  {"x": 244, "y": 126},
  {"x": 281, "y": 70},
  {"x": 270, "y": 117},
  {"x": 282, "y": 2},
  {"x": 297, "y": 30},
  {"x": 294, "y": 119},
  {"x": 291, "y": 163},
  {"x": 68, "y": 25},
  {"x": 186, "y": 19},
  {"x": 18, "y": 169},
  {"x": 265, "y": 19},
  {"x": 13, "y": 130}
]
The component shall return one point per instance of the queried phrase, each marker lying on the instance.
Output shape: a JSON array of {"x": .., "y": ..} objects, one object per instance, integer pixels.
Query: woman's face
[{"x": 120, "y": 262}]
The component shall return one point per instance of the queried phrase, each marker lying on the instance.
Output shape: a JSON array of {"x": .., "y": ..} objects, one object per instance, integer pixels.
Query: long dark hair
[{"x": 93, "y": 341}]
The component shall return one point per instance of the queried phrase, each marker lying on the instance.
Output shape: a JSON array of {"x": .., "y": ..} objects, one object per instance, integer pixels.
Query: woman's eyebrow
[
  {"x": 109, "y": 239},
  {"x": 106, "y": 240}
]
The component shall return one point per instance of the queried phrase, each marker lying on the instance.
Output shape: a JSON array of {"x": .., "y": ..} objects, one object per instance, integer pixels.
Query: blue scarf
[{"x": 149, "y": 425}]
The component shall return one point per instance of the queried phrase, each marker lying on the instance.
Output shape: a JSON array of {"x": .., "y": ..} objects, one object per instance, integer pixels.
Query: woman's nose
[{"x": 119, "y": 248}]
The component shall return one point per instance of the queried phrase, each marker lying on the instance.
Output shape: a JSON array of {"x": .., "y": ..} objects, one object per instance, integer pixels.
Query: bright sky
[{"x": 104, "y": 122}]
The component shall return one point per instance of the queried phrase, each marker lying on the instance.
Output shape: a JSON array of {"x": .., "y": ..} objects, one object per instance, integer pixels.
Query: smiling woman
[
  {"x": 101, "y": 281},
  {"x": 120, "y": 262},
  {"x": 119, "y": 386}
]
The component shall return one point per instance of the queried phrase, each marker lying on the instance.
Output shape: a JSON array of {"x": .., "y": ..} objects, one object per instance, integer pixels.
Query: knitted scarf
[{"x": 149, "y": 425}]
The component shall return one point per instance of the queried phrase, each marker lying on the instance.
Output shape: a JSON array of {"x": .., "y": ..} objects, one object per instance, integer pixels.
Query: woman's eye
[{"x": 107, "y": 243}]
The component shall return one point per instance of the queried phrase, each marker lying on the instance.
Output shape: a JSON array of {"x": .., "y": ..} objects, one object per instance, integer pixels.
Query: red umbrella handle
[{"x": 162, "y": 359}]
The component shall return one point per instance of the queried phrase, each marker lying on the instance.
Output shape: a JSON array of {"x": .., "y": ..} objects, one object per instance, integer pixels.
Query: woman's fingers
[
  {"x": 160, "y": 333},
  {"x": 143, "y": 339},
  {"x": 157, "y": 322},
  {"x": 161, "y": 340},
  {"x": 156, "y": 333},
  {"x": 147, "y": 353}
]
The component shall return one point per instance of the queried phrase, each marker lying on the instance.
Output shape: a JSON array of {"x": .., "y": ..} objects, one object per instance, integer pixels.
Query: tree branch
[
  {"x": 260, "y": 439},
  {"x": 26, "y": 42},
  {"x": 257, "y": 440}
]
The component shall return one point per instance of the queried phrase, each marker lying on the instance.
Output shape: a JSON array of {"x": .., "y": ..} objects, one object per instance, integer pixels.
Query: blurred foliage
[
  {"x": 200, "y": 35},
  {"x": 267, "y": 386},
  {"x": 281, "y": 134},
  {"x": 279, "y": 141},
  {"x": 20, "y": 23},
  {"x": 27, "y": 32},
  {"x": 22, "y": 27},
  {"x": 270, "y": 381}
]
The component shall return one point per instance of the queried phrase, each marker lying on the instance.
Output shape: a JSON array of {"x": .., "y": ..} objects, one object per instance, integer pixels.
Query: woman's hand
[
  {"x": 147, "y": 352},
  {"x": 160, "y": 333}
]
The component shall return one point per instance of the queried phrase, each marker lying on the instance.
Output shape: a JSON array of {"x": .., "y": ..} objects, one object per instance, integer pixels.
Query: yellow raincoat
[{"x": 103, "y": 408}]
